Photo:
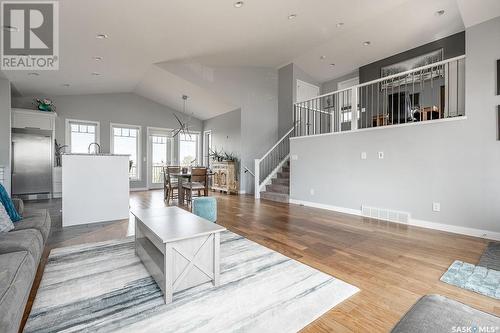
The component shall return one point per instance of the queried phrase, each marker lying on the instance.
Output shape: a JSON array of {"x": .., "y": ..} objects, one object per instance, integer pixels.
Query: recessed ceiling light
[
  {"x": 66, "y": 85},
  {"x": 238, "y": 4},
  {"x": 367, "y": 43},
  {"x": 322, "y": 57},
  {"x": 292, "y": 16},
  {"x": 340, "y": 24},
  {"x": 101, "y": 36},
  {"x": 10, "y": 28},
  {"x": 34, "y": 74},
  {"x": 440, "y": 12},
  {"x": 98, "y": 58},
  {"x": 96, "y": 73}
]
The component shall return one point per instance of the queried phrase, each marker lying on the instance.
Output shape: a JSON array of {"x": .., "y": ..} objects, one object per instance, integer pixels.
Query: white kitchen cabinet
[{"x": 33, "y": 119}]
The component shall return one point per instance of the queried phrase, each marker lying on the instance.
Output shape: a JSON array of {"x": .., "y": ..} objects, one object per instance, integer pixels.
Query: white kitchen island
[{"x": 95, "y": 188}]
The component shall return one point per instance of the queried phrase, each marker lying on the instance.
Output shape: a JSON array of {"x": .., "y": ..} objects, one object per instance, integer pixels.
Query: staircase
[
  {"x": 272, "y": 171},
  {"x": 279, "y": 189}
]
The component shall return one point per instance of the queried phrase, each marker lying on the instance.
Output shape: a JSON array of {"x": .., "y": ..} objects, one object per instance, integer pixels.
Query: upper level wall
[
  {"x": 453, "y": 46},
  {"x": 287, "y": 94},
  {"x": 451, "y": 162},
  {"x": 332, "y": 85}
]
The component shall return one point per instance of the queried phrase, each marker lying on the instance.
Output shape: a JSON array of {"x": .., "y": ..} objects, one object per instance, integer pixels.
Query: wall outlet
[
  {"x": 380, "y": 155},
  {"x": 436, "y": 207},
  {"x": 295, "y": 157},
  {"x": 311, "y": 191},
  {"x": 363, "y": 155}
]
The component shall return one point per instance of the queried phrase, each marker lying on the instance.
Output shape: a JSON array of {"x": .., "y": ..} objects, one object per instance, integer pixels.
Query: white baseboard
[
  {"x": 325, "y": 206},
  {"x": 486, "y": 234},
  {"x": 137, "y": 189}
]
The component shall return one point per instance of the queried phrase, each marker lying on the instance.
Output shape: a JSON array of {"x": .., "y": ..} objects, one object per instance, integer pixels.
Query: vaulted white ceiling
[{"x": 215, "y": 33}]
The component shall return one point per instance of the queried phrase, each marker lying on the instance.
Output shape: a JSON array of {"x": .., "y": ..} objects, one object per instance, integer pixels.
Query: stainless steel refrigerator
[{"x": 31, "y": 163}]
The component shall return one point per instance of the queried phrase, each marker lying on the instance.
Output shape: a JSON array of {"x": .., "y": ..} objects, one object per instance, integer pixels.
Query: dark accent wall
[{"x": 453, "y": 46}]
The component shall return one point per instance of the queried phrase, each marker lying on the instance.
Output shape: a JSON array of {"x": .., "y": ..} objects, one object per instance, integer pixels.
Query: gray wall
[
  {"x": 226, "y": 132},
  {"x": 332, "y": 85},
  {"x": 287, "y": 94},
  {"x": 455, "y": 163},
  {"x": 125, "y": 108},
  {"x": 255, "y": 91},
  {"x": 286, "y": 98},
  {"x": 5, "y": 115},
  {"x": 453, "y": 46}
]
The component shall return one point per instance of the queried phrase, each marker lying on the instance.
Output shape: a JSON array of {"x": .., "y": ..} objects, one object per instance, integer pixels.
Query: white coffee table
[{"x": 179, "y": 249}]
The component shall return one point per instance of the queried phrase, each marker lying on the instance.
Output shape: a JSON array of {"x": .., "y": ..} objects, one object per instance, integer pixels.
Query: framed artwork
[
  {"x": 406, "y": 65},
  {"x": 409, "y": 64}
]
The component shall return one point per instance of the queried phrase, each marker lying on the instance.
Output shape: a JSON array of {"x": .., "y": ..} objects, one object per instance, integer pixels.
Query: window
[
  {"x": 80, "y": 134},
  {"x": 207, "y": 146},
  {"x": 346, "y": 114},
  {"x": 188, "y": 149},
  {"x": 125, "y": 139}
]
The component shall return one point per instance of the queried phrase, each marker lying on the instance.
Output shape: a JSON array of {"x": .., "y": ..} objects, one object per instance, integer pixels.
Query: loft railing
[
  {"x": 431, "y": 92},
  {"x": 271, "y": 162}
]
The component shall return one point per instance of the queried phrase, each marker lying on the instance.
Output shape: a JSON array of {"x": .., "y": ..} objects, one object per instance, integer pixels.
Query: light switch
[
  {"x": 436, "y": 207},
  {"x": 380, "y": 155},
  {"x": 363, "y": 155},
  {"x": 295, "y": 157}
]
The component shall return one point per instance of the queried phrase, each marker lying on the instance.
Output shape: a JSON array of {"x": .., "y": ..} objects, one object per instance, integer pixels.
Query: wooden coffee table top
[{"x": 172, "y": 224}]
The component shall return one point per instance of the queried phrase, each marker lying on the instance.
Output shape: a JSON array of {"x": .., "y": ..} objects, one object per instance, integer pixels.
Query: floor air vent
[{"x": 385, "y": 214}]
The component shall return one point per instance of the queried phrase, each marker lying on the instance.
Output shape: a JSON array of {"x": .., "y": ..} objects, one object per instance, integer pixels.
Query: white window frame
[
  {"x": 139, "y": 145},
  {"x": 198, "y": 147},
  {"x": 67, "y": 137},
  {"x": 208, "y": 145}
]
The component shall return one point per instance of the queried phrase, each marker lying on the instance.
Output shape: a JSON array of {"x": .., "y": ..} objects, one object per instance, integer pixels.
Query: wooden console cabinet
[{"x": 225, "y": 176}]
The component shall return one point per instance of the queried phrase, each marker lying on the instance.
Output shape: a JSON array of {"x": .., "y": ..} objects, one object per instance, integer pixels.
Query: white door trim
[
  {"x": 149, "y": 130},
  {"x": 300, "y": 82}
]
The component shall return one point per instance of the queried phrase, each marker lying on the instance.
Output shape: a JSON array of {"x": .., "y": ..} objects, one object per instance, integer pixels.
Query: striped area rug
[{"x": 103, "y": 287}]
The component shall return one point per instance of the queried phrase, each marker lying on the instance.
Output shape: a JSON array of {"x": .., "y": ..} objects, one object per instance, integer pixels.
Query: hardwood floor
[{"x": 393, "y": 265}]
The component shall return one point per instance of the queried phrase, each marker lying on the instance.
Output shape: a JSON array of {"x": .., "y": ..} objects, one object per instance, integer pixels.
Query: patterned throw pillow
[{"x": 5, "y": 221}]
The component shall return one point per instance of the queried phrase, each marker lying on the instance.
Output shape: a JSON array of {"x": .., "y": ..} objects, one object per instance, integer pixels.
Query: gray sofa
[
  {"x": 20, "y": 253},
  {"x": 436, "y": 313}
]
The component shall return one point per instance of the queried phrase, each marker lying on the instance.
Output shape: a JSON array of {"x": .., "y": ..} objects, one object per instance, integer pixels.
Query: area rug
[
  {"x": 103, "y": 287},
  {"x": 475, "y": 278}
]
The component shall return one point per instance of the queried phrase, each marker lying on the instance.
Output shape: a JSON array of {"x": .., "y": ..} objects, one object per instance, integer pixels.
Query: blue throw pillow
[{"x": 9, "y": 205}]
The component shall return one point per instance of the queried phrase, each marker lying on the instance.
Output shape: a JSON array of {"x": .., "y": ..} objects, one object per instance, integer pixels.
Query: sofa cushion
[
  {"x": 35, "y": 219},
  {"x": 18, "y": 205},
  {"x": 5, "y": 221},
  {"x": 9, "y": 205},
  {"x": 23, "y": 240},
  {"x": 435, "y": 313},
  {"x": 17, "y": 270}
]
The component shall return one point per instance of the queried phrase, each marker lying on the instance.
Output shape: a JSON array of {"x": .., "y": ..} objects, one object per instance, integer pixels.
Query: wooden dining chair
[
  {"x": 198, "y": 183},
  {"x": 170, "y": 183}
]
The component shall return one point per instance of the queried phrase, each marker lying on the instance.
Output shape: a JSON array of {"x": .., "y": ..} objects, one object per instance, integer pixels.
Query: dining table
[{"x": 184, "y": 176}]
